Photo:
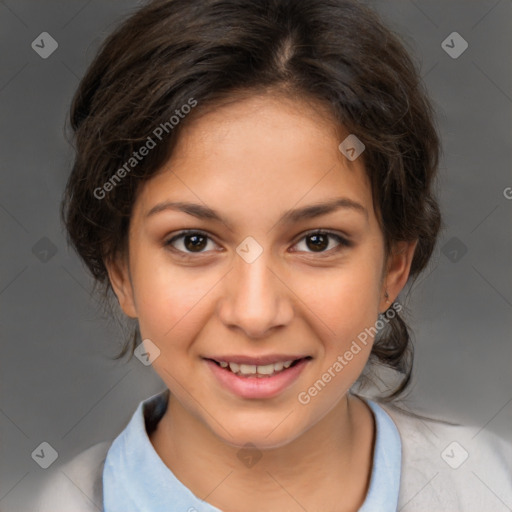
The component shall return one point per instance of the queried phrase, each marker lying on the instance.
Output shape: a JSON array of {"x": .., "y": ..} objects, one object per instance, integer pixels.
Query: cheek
[
  {"x": 343, "y": 300},
  {"x": 170, "y": 300}
]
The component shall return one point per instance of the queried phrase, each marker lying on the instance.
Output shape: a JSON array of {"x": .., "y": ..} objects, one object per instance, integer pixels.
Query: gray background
[{"x": 58, "y": 383}]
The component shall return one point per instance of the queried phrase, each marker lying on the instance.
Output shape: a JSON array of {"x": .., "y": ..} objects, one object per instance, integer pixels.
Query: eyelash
[{"x": 343, "y": 242}]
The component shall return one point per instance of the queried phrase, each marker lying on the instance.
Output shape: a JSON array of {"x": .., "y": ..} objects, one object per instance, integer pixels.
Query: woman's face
[{"x": 258, "y": 284}]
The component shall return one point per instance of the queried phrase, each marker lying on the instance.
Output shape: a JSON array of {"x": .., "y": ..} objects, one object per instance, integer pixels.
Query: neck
[{"x": 330, "y": 461}]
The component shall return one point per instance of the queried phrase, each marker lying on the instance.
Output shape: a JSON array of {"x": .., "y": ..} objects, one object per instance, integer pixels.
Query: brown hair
[{"x": 171, "y": 53}]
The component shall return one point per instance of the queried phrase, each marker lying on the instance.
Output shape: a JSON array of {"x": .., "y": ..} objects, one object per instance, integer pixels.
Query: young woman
[{"x": 254, "y": 182}]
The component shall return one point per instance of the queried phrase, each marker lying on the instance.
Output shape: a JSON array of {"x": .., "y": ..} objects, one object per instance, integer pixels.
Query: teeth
[
  {"x": 247, "y": 369},
  {"x": 269, "y": 369},
  {"x": 252, "y": 369}
]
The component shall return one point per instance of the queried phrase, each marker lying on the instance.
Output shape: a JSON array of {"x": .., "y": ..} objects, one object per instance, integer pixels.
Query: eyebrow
[{"x": 288, "y": 217}]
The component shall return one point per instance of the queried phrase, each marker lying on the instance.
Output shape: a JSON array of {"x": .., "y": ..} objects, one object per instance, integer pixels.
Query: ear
[
  {"x": 119, "y": 275},
  {"x": 397, "y": 272}
]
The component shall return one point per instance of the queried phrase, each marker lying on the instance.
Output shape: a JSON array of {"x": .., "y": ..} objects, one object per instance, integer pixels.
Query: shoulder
[
  {"x": 75, "y": 486},
  {"x": 453, "y": 467}
]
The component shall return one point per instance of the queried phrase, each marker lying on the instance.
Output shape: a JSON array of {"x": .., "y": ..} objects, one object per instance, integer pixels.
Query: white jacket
[{"x": 445, "y": 468}]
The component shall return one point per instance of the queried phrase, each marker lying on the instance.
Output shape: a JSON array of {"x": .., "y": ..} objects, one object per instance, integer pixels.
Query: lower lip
[{"x": 257, "y": 387}]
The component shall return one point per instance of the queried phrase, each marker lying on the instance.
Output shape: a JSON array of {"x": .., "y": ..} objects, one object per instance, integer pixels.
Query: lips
[{"x": 257, "y": 380}]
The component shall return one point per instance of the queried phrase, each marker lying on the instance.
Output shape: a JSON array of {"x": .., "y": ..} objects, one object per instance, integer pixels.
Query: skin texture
[{"x": 251, "y": 161}]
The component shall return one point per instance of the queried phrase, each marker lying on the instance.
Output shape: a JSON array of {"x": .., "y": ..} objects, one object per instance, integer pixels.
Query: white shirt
[{"x": 421, "y": 465}]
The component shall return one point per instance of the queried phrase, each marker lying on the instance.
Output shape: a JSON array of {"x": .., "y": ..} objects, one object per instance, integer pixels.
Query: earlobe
[
  {"x": 119, "y": 276},
  {"x": 398, "y": 268}
]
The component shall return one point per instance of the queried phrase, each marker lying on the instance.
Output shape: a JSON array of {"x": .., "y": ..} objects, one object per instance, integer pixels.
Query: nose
[{"x": 255, "y": 299}]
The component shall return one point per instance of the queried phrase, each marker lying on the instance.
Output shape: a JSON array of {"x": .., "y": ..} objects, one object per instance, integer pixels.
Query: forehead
[{"x": 260, "y": 153}]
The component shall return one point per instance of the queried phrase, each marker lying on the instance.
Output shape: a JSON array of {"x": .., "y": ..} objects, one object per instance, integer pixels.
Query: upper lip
[{"x": 259, "y": 360}]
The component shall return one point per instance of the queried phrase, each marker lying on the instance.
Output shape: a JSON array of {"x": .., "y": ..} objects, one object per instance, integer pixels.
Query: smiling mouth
[{"x": 258, "y": 371}]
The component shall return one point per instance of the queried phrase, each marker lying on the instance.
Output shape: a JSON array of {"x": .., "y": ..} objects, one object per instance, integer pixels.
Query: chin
[{"x": 260, "y": 435}]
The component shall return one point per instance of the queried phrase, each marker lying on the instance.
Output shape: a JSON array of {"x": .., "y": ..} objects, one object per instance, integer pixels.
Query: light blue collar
[
  {"x": 135, "y": 479},
  {"x": 387, "y": 462}
]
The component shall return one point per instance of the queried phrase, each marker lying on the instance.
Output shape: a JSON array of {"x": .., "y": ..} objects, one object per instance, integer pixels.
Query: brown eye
[
  {"x": 321, "y": 242},
  {"x": 317, "y": 242},
  {"x": 189, "y": 242},
  {"x": 194, "y": 242}
]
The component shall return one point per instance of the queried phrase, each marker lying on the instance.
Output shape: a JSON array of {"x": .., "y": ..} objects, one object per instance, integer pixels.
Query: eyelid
[{"x": 185, "y": 232}]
